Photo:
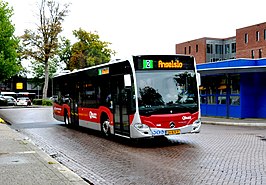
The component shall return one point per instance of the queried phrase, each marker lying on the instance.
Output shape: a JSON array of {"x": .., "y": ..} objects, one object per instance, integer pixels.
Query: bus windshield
[{"x": 165, "y": 92}]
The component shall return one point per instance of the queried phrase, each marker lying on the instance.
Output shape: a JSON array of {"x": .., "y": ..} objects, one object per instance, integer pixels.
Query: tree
[
  {"x": 89, "y": 50},
  {"x": 9, "y": 63},
  {"x": 64, "y": 51},
  {"x": 41, "y": 44}
]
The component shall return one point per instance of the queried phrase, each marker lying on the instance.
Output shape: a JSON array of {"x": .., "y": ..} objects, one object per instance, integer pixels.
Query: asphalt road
[{"x": 218, "y": 155}]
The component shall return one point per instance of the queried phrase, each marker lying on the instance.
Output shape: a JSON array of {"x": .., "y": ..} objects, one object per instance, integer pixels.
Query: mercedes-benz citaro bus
[{"x": 143, "y": 96}]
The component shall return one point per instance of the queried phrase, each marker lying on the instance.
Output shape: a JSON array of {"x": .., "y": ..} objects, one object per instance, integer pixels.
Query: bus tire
[
  {"x": 105, "y": 125},
  {"x": 66, "y": 118}
]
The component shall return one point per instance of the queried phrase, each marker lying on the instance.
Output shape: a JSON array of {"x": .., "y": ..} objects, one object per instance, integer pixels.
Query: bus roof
[{"x": 68, "y": 72}]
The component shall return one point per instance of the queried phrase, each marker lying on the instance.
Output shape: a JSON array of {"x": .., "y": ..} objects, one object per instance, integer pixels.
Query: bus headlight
[
  {"x": 196, "y": 126},
  {"x": 197, "y": 122},
  {"x": 141, "y": 126}
]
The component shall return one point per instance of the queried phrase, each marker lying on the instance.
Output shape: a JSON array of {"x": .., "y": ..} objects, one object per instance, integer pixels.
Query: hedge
[{"x": 45, "y": 102}]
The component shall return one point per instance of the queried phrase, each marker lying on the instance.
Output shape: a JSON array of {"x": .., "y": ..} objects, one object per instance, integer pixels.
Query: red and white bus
[{"x": 143, "y": 96}]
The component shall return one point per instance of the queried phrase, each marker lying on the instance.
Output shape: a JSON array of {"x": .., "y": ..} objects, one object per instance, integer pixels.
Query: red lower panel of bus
[
  {"x": 86, "y": 114},
  {"x": 153, "y": 121},
  {"x": 169, "y": 120}
]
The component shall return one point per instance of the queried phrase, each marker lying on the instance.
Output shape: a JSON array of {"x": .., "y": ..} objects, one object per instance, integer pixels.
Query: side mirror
[
  {"x": 127, "y": 80},
  {"x": 198, "y": 78}
]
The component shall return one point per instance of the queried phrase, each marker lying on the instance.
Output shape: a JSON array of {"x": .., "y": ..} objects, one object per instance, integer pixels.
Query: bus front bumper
[{"x": 142, "y": 130}]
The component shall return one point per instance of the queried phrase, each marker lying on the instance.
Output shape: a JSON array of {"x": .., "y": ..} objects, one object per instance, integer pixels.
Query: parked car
[
  {"x": 10, "y": 100},
  {"x": 23, "y": 101}
]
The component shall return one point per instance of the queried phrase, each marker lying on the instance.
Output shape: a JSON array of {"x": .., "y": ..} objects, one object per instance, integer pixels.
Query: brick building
[
  {"x": 249, "y": 42},
  {"x": 233, "y": 73},
  {"x": 207, "y": 50}
]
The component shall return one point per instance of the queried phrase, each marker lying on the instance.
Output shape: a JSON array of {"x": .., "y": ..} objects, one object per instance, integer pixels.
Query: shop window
[
  {"x": 222, "y": 85},
  {"x": 234, "y": 100},
  {"x": 211, "y": 99},
  {"x": 235, "y": 84},
  {"x": 203, "y": 99},
  {"x": 221, "y": 99}
]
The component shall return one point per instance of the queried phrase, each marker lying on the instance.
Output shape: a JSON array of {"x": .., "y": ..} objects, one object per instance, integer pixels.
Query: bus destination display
[{"x": 164, "y": 63}]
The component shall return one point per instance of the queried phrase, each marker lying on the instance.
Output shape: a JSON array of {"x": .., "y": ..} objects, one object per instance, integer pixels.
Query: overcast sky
[{"x": 148, "y": 26}]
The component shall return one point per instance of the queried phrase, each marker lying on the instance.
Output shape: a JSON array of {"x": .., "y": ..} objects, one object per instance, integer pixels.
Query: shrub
[
  {"x": 47, "y": 102},
  {"x": 37, "y": 101}
]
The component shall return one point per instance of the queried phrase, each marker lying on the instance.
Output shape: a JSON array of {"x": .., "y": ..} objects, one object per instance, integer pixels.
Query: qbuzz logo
[
  {"x": 92, "y": 115},
  {"x": 186, "y": 117}
]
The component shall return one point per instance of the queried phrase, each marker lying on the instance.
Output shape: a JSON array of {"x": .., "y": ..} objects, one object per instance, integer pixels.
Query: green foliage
[
  {"x": 9, "y": 64},
  {"x": 64, "y": 51},
  {"x": 89, "y": 50},
  {"x": 44, "y": 102},
  {"x": 37, "y": 101},
  {"x": 47, "y": 102}
]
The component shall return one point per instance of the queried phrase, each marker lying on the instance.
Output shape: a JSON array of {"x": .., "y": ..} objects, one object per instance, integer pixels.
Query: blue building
[{"x": 233, "y": 88}]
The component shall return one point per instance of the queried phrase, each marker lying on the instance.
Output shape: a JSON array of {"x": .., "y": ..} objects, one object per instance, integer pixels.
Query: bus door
[
  {"x": 74, "y": 117},
  {"x": 120, "y": 105}
]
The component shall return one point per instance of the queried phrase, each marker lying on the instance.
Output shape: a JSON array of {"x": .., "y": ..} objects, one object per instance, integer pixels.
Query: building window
[
  {"x": 209, "y": 48},
  {"x": 185, "y": 50},
  {"x": 265, "y": 34},
  {"x": 227, "y": 48},
  {"x": 218, "y": 49},
  {"x": 246, "y": 38},
  {"x": 257, "y": 35},
  {"x": 233, "y": 46},
  {"x": 260, "y": 53},
  {"x": 189, "y": 49},
  {"x": 197, "y": 47},
  {"x": 252, "y": 54}
]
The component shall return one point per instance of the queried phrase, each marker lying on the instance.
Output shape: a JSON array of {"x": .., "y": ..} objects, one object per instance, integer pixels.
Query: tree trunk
[{"x": 46, "y": 80}]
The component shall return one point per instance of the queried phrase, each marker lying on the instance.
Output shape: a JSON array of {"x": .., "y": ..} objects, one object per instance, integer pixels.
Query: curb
[{"x": 235, "y": 124}]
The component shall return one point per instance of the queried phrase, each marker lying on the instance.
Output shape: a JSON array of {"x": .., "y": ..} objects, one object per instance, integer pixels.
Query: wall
[
  {"x": 200, "y": 56},
  {"x": 243, "y": 50}
]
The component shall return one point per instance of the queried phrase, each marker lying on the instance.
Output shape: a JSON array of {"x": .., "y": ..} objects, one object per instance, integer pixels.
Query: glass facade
[
  {"x": 220, "y": 89},
  {"x": 220, "y": 49}
]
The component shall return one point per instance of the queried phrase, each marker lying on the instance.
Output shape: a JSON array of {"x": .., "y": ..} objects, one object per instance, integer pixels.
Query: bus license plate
[{"x": 172, "y": 132}]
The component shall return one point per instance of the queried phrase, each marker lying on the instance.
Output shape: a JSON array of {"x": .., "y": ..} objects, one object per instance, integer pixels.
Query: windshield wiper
[{"x": 191, "y": 109}]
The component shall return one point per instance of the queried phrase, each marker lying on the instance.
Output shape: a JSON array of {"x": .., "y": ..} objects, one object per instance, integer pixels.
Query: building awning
[
  {"x": 230, "y": 70},
  {"x": 235, "y": 66}
]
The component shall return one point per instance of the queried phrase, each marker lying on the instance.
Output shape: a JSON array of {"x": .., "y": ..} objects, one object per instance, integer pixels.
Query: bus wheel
[
  {"x": 105, "y": 126},
  {"x": 66, "y": 118}
]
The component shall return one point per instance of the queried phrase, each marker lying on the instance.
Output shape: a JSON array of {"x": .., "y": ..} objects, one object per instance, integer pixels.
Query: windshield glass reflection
[{"x": 167, "y": 92}]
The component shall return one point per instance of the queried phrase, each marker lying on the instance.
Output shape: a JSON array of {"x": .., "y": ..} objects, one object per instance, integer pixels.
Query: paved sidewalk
[
  {"x": 234, "y": 121},
  {"x": 22, "y": 163}
]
